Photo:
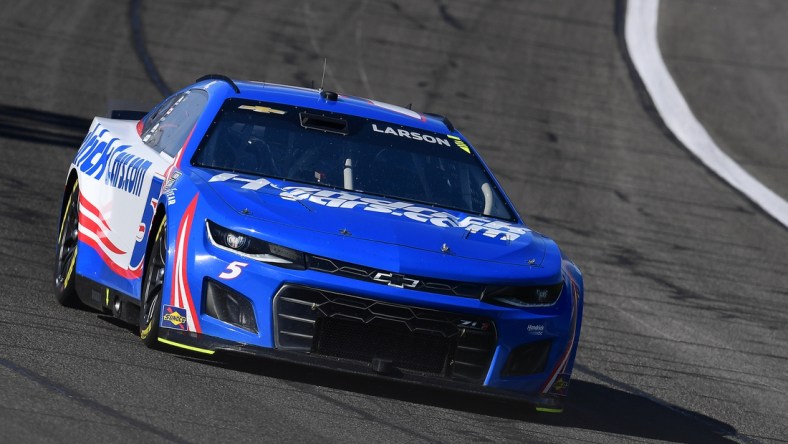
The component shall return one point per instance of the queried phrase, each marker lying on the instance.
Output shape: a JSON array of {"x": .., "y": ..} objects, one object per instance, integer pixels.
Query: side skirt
[{"x": 108, "y": 300}]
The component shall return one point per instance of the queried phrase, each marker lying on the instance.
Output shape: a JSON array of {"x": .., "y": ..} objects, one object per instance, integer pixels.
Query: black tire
[
  {"x": 152, "y": 287},
  {"x": 66, "y": 252}
]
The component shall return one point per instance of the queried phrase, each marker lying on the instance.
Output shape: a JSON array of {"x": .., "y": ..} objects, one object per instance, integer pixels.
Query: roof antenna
[
  {"x": 325, "y": 62},
  {"x": 328, "y": 95}
]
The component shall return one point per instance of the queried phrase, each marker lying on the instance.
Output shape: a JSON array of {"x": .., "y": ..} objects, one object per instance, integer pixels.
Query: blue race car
[{"x": 325, "y": 229}]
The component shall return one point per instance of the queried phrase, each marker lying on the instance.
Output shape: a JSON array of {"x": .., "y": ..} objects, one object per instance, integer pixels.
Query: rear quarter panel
[{"x": 120, "y": 180}]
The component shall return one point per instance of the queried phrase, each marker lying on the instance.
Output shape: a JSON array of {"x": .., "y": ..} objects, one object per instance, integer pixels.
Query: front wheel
[
  {"x": 66, "y": 252},
  {"x": 153, "y": 288}
]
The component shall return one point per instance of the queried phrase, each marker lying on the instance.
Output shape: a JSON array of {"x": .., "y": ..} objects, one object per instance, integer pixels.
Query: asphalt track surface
[
  {"x": 735, "y": 81},
  {"x": 685, "y": 336}
]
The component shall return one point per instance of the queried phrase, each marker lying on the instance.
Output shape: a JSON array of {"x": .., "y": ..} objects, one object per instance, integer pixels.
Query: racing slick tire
[
  {"x": 66, "y": 251},
  {"x": 152, "y": 287}
]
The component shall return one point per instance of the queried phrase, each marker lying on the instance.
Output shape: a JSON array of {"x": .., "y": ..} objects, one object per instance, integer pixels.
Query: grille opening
[
  {"x": 527, "y": 359},
  {"x": 356, "y": 328},
  {"x": 347, "y": 339}
]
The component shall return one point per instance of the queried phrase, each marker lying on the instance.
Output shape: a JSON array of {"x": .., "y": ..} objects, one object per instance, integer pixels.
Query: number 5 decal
[{"x": 233, "y": 270}]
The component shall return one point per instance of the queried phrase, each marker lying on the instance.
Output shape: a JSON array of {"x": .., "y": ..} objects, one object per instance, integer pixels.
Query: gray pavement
[{"x": 730, "y": 59}]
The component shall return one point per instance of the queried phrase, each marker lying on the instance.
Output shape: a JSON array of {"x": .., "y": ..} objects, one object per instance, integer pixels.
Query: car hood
[{"x": 387, "y": 221}]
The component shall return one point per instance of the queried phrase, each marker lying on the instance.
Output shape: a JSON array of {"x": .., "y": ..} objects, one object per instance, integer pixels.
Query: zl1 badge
[{"x": 174, "y": 317}]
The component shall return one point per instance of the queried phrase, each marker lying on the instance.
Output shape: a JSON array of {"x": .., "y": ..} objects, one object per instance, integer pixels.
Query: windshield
[{"x": 349, "y": 153}]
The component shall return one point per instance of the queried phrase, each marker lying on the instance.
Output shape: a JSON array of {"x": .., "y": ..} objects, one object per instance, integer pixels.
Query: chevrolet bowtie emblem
[
  {"x": 261, "y": 109},
  {"x": 395, "y": 280}
]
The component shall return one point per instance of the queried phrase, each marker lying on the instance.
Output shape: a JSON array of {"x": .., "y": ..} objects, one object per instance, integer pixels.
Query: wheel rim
[
  {"x": 154, "y": 276},
  {"x": 67, "y": 241}
]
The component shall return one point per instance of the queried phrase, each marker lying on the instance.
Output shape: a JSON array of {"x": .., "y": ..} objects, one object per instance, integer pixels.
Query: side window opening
[
  {"x": 168, "y": 127},
  {"x": 156, "y": 113}
]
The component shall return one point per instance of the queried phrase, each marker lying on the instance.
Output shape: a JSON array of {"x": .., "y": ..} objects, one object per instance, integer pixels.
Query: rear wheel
[
  {"x": 153, "y": 287},
  {"x": 66, "y": 253}
]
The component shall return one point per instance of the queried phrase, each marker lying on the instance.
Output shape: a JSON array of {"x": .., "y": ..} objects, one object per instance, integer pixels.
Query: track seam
[{"x": 87, "y": 402}]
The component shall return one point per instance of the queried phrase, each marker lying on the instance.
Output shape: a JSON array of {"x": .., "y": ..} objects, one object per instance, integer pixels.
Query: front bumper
[
  {"x": 219, "y": 348},
  {"x": 512, "y": 330}
]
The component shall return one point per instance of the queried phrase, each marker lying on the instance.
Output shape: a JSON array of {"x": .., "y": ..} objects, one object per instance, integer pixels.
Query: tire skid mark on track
[
  {"x": 85, "y": 401},
  {"x": 359, "y": 44},
  {"x": 440, "y": 73},
  {"x": 138, "y": 39},
  {"x": 696, "y": 344},
  {"x": 42, "y": 127},
  {"x": 315, "y": 41},
  {"x": 675, "y": 365}
]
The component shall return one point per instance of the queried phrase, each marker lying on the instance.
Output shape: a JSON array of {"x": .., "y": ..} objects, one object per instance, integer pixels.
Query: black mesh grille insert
[
  {"x": 354, "y": 340},
  {"x": 419, "y": 339}
]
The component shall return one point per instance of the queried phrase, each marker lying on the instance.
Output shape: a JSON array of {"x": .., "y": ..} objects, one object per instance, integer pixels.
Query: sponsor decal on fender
[
  {"x": 102, "y": 156},
  {"x": 174, "y": 317},
  {"x": 561, "y": 385}
]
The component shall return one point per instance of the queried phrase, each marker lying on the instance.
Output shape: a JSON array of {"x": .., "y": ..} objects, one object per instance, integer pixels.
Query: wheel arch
[
  {"x": 72, "y": 178},
  {"x": 158, "y": 217}
]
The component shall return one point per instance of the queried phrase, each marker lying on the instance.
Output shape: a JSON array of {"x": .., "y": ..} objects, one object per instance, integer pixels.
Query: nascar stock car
[{"x": 326, "y": 229}]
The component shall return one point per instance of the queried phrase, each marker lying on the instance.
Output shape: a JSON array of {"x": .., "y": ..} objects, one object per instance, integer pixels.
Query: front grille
[
  {"x": 361, "y": 329},
  {"x": 385, "y": 277},
  {"x": 363, "y": 342}
]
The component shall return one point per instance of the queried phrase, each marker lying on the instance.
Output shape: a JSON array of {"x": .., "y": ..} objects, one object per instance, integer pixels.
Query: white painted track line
[{"x": 643, "y": 48}]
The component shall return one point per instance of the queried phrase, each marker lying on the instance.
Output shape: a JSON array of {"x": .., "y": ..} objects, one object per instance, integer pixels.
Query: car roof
[{"x": 345, "y": 104}]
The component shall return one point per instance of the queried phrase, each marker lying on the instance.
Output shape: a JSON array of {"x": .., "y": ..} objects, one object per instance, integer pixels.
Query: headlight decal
[
  {"x": 533, "y": 296},
  {"x": 254, "y": 248}
]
